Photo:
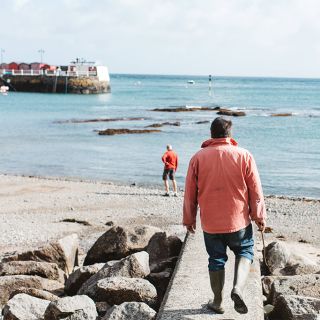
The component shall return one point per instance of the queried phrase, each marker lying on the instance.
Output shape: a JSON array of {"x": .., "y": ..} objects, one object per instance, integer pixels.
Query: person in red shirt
[
  {"x": 223, "y": 180},
  {"x": 170, "y": 160}
]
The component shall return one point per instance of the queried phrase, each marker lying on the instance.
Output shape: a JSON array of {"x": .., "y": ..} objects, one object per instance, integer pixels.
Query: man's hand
[
  {"x": 261, "y": 225},
  {"x": 191, "y": 228}
]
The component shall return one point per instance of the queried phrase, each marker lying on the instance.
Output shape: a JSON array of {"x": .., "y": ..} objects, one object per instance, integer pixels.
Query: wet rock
[
  {"x": 63, "y": 252},
  {"x": 185, "y": 109},
  {"x": 37, "y": 293},
  {"x": 118, "y": 242},
  {"x": 101, "y": 120},
  {"x": 25, "y": 307},
  {"x": 158, "y": 125},
  {"x": 281, "y": 114},
  {"x": 116, "y": 290},
  {"x": 9, "y": 284},
  {"x": 71, "y": 308},
  {"x": 32, "y": 268},
  {"x": 130, "y": 311},
  {"x": 80, "y": 276},
  {"x": 233, "y": 113},
  {"x": 111, "y": 132},
  {"x": 202, "y": 122},
  {"x": 133, "y": 266},
  {"x": 303, "y": 285},
  {"x": 162, "y": 247},
  {"x": 292, "y": 307}
]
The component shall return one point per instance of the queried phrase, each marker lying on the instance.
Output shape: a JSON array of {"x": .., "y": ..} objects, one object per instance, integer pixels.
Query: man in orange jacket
[
  {"x": 170, "y": 160},
  {"x": 223, "y": 180}
]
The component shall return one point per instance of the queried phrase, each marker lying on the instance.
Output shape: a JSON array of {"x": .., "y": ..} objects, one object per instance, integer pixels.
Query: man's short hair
[
  {"x": 221, "y": 128},
  {"x": 169, "y": 147}
]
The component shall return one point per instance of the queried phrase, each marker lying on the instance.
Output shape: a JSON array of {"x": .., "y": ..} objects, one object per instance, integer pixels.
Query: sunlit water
[{"x": 286, "y": 149}]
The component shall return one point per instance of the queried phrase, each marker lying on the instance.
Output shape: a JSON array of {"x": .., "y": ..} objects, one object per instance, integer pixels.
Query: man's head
[
  {"x": 169, "y": 147},
  {"x": 221, "y": 128}
]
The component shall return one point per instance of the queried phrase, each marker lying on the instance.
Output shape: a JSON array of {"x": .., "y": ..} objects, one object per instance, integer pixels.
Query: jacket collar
[{"x": 218, "y": 141}]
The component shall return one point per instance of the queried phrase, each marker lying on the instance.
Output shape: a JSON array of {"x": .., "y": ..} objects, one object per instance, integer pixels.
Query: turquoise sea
[{"x": 286, "y": 149}]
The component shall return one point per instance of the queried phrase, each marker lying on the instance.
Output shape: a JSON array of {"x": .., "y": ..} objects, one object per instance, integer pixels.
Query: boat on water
[{"x": 80, "y": 76}]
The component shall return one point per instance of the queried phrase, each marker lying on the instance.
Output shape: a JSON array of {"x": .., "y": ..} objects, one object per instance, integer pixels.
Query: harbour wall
[{"x": 55, "y": 84}]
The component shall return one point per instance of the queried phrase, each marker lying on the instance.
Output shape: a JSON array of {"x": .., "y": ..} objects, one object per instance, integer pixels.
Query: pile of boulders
[
  {"x": 125, "y": 275},
  {"x": 293, "y": 289}
]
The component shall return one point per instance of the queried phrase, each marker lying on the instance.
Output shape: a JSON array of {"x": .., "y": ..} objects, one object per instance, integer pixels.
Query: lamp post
[
  {"x": 2, "y": 51},
  {"x": 41, "y": 51}
]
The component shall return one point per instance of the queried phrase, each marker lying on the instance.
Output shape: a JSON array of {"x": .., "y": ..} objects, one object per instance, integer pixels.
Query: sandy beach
[{"x": 32, "y": 210}]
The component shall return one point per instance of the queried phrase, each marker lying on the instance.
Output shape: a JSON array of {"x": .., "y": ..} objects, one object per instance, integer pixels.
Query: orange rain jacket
[
  {"x": 170, "y": 160},
  {"x": 223, "y": 180}
]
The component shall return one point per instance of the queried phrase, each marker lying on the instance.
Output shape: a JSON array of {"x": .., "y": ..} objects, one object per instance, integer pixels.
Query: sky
[{"x": 279, "y": 38}]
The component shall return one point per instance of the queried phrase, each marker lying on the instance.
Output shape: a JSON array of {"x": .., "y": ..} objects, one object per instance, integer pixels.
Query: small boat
[
  {"x": 191, "y": 82},
  {"x": 4, "y": 90}
]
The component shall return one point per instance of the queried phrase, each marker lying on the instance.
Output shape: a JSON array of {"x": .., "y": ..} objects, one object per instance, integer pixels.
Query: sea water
[{"x": 35, "y": 140}]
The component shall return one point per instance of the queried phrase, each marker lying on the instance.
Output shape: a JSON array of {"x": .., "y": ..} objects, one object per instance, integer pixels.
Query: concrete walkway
[{"x": 190, "y": 290}]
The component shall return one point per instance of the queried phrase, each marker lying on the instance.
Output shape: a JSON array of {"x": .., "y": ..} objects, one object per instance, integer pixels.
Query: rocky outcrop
[
  {"x": 63, "y": 252},
  {"x": 158, "y": 125},
  {"x": 130, "y": 311},
  {"x": 101, "y": 120},
  {"x": 111, "y": 132},
  {"x": 119, "y": 242},
  {"x": 281, "y": 114},
  {"x": 9, "y": 284},
  {"x": 133, "y": 266},
  {"x": 80, "y": 276},
  {"x": 116, "y": 290},
  {"x": 71, "y": 308},
  {"x": 232, "y": 113},
  {"x": 202, "y": 122},
  {"x": 25, "y": 307},
  {"x": 32, "y": 268},
  {"x": 294, "y": 307},
  {"x": 185, "y": 109}
]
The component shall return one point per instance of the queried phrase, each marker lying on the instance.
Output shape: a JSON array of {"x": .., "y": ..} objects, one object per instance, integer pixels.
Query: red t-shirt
[{"x": 170, "y": 160}]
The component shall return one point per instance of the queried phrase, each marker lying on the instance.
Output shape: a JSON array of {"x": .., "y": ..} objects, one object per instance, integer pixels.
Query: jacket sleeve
[
  {"x": 190, "y": 203},
  {"x": 257, "y": 207}
]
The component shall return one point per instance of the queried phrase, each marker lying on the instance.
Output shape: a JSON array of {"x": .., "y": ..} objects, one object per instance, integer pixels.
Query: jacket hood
[{"x": 218, "y": 141}]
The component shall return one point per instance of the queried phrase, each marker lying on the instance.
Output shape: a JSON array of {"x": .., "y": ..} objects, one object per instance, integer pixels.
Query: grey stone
[
  {"x": 80, "y": 276},
  {"x": 130, "y": 311},
  {"x": 303, "y": 285},
  {"x": 37, "y": 293},
  {"x": 296, "y": 307},
  {"x": 9, "y": 284},
  {"x": 116, "y": 290},
  {"x": 25, "y": 307},
  {"x": 32, "y": 268},
  {"x": 277, "y": 256},
  {"x": 133, "y": 266},
  {"x": 63, "y": 252},
  {"x": 102, "y": 307},
  {"x": 71, "y": 308},
  {"x": 119, "y": 242},
  {"x": 162, "y": 247}
]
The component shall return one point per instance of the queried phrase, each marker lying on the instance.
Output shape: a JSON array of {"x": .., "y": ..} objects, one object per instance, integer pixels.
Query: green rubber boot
[
  {"x": 217, "y": 284},
  {"x": 241, "y": 272}
]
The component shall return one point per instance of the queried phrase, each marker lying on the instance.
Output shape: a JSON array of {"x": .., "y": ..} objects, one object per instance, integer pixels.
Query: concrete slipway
[{"x": 189, "y": 290}]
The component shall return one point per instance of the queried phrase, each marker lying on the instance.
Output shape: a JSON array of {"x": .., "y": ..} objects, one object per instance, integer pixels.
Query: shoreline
[{"x": 154, "y": 186}]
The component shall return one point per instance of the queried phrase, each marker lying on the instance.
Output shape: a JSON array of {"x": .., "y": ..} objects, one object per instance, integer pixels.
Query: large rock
[
  {"x": 37, "y": 293},
  {"x": 292, "y": 307},
  {"x": 63, "y": 252},
  {"x": 116, "y": 290},
  {"x": 119, "y": 242},
  {"x": 163, "y": 265},
  {"x": 25, "y": 307},
  {"x": 291, "y": 259},
  {"x": 130, "y": 311},
  {"x": 133, "y": 266},
  {"x": 304, "y": 285},
  {"x": 162, "y": 247},
  {"x": 9, "y": 284},
  {"x": 80, "y": 276},
  {"x": 233, "y": 113},
  {"x": 32, "y": 268},
  {"x": 72, "y": 308}
]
